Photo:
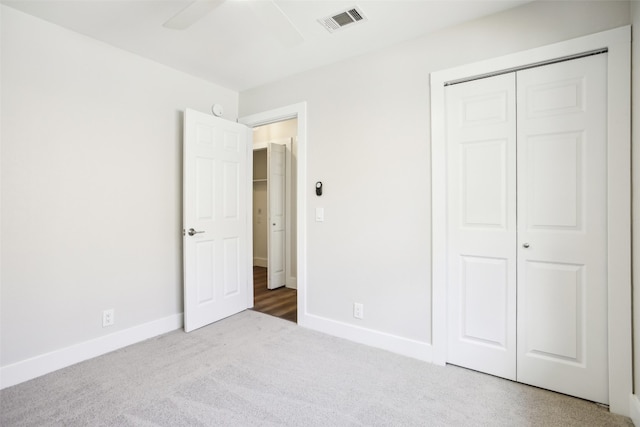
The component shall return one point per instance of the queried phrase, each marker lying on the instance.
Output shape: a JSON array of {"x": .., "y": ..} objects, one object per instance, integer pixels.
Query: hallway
[{"x": 281, "y": 302}]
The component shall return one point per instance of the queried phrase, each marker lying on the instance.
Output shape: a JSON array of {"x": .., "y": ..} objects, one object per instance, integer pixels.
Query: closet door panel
[
  {"x": 481, "y": 183},
  {"x": 562, "y": 313},
  {"x": 562, "y": 240},
  {"x": 276, "y": 166},
  {"x": 555, "y": 181}
]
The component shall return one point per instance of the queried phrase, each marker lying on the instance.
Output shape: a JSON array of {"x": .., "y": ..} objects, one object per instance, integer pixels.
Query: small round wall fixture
[{"x": 217, "y": 110}]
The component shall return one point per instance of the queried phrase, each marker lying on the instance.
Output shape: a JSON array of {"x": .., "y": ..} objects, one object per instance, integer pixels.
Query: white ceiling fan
[{"x": 269, "y": 13}]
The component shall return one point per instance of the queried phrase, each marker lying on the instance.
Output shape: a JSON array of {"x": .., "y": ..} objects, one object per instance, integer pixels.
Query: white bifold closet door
[
  {"x": 276, "y": 164},
  {"x": 481, "y": 168},
  {"x": 527, "y": 182}
]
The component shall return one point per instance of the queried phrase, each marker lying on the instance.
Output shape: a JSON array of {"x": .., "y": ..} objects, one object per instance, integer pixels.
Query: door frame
[
  {"x": 618, "y": 44},
  {"x": 293, "y": 111}
]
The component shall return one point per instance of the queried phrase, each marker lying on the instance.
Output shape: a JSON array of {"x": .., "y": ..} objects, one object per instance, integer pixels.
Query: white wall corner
[
  {"x": 43, "y": 364},
  {"x": 393, "y": 343},
  {"x": 634, "y": 409}
]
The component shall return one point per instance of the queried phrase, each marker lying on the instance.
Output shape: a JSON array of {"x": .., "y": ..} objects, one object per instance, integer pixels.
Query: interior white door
[
  {"x": 481, "y": 177},
  {"x": 276, "y": 164},
  {"x": 562, "y": 220},
  {"x": 215, "y": 215}
]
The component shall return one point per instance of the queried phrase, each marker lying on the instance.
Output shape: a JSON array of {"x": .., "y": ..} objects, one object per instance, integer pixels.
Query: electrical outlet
[
  {"x": 108, "y": 318},
  {"x": 358, "y": 310}
]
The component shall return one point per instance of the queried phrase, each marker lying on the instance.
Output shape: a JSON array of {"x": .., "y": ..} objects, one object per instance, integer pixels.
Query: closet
[{"x": 527, "y": 226}]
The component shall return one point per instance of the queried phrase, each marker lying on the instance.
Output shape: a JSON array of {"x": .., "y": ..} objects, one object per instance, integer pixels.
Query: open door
[
  {"x": 217, "y": 278},
  {"x": 276, "y": 163}
]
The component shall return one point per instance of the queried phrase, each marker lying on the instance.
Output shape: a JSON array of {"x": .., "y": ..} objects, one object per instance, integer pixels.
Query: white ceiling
[{"x": 236, "y": 46}]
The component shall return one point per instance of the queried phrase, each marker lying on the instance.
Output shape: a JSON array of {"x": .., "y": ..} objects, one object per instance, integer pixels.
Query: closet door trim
[
  {"x": 525, "y": 67},
  {"x": 618, "y": 44}
]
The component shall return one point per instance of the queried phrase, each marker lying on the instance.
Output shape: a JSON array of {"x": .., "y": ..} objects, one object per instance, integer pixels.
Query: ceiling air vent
[{"x": 342, "y": 19}]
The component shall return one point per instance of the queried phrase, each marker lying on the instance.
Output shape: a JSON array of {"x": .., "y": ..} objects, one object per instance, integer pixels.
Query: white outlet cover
[
  {"x": 108, "y": 318},
  {"x": 358, "y": 310}
]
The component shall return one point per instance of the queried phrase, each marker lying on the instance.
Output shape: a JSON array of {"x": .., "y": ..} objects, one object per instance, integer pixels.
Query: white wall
[
  {"x": 635, "y": 131},
  {"x": 368, "y": 141},
  {"x": 91, "y": 186},
  {"x": 277, "y": 130}
]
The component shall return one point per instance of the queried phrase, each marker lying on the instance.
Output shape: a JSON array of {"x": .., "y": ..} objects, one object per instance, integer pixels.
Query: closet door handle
[
  {"x": 525, "y": 245},
  {"x": 193, "y": 232}
]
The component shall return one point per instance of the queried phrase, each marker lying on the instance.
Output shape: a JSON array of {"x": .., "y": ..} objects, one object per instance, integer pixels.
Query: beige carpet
[{"x": 252, "y": 369}]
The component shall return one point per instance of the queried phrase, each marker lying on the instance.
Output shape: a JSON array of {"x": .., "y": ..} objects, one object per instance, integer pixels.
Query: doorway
[{"x": 274, "y": 219}]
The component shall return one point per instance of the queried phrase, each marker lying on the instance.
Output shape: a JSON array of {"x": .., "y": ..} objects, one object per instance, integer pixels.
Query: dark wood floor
[{"x": 281, "y": 302}]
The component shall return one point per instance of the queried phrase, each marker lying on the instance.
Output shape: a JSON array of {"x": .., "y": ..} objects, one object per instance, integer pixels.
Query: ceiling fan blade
[
  {"x": 194, "y": 11},
  {"x": 276, "y": 22}
]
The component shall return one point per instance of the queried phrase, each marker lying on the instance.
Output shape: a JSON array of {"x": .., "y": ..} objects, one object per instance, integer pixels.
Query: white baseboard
[
  {"x": 260, "y": 262},
  {"x": 393, "y": 343},
  {"x": 634, "y": 409},
  {"x": 45, "y": 363}
]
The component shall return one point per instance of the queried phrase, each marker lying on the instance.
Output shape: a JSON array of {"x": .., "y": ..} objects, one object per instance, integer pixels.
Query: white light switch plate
[{"x": 319, "y": 214}]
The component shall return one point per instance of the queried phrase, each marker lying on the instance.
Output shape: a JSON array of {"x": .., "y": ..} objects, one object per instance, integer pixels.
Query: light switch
[{"x": 319, "y": 214}]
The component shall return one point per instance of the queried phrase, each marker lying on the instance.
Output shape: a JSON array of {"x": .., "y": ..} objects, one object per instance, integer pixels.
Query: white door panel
[
  {"x": 554, "y": 178},
  {"x": 562, "y": 204},
  {"x": 215, "y": 206},
  {"x": 481, "y": 178},
  {"x": 484, "y": 296},
  {"x": 559, "y": 314},
  {"x": 276, "y": 164}
]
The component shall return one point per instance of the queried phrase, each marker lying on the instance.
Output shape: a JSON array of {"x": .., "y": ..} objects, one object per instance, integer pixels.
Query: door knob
[
  {"x": 193, "y": 232},
  {"x": 525, "y": 245}
]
